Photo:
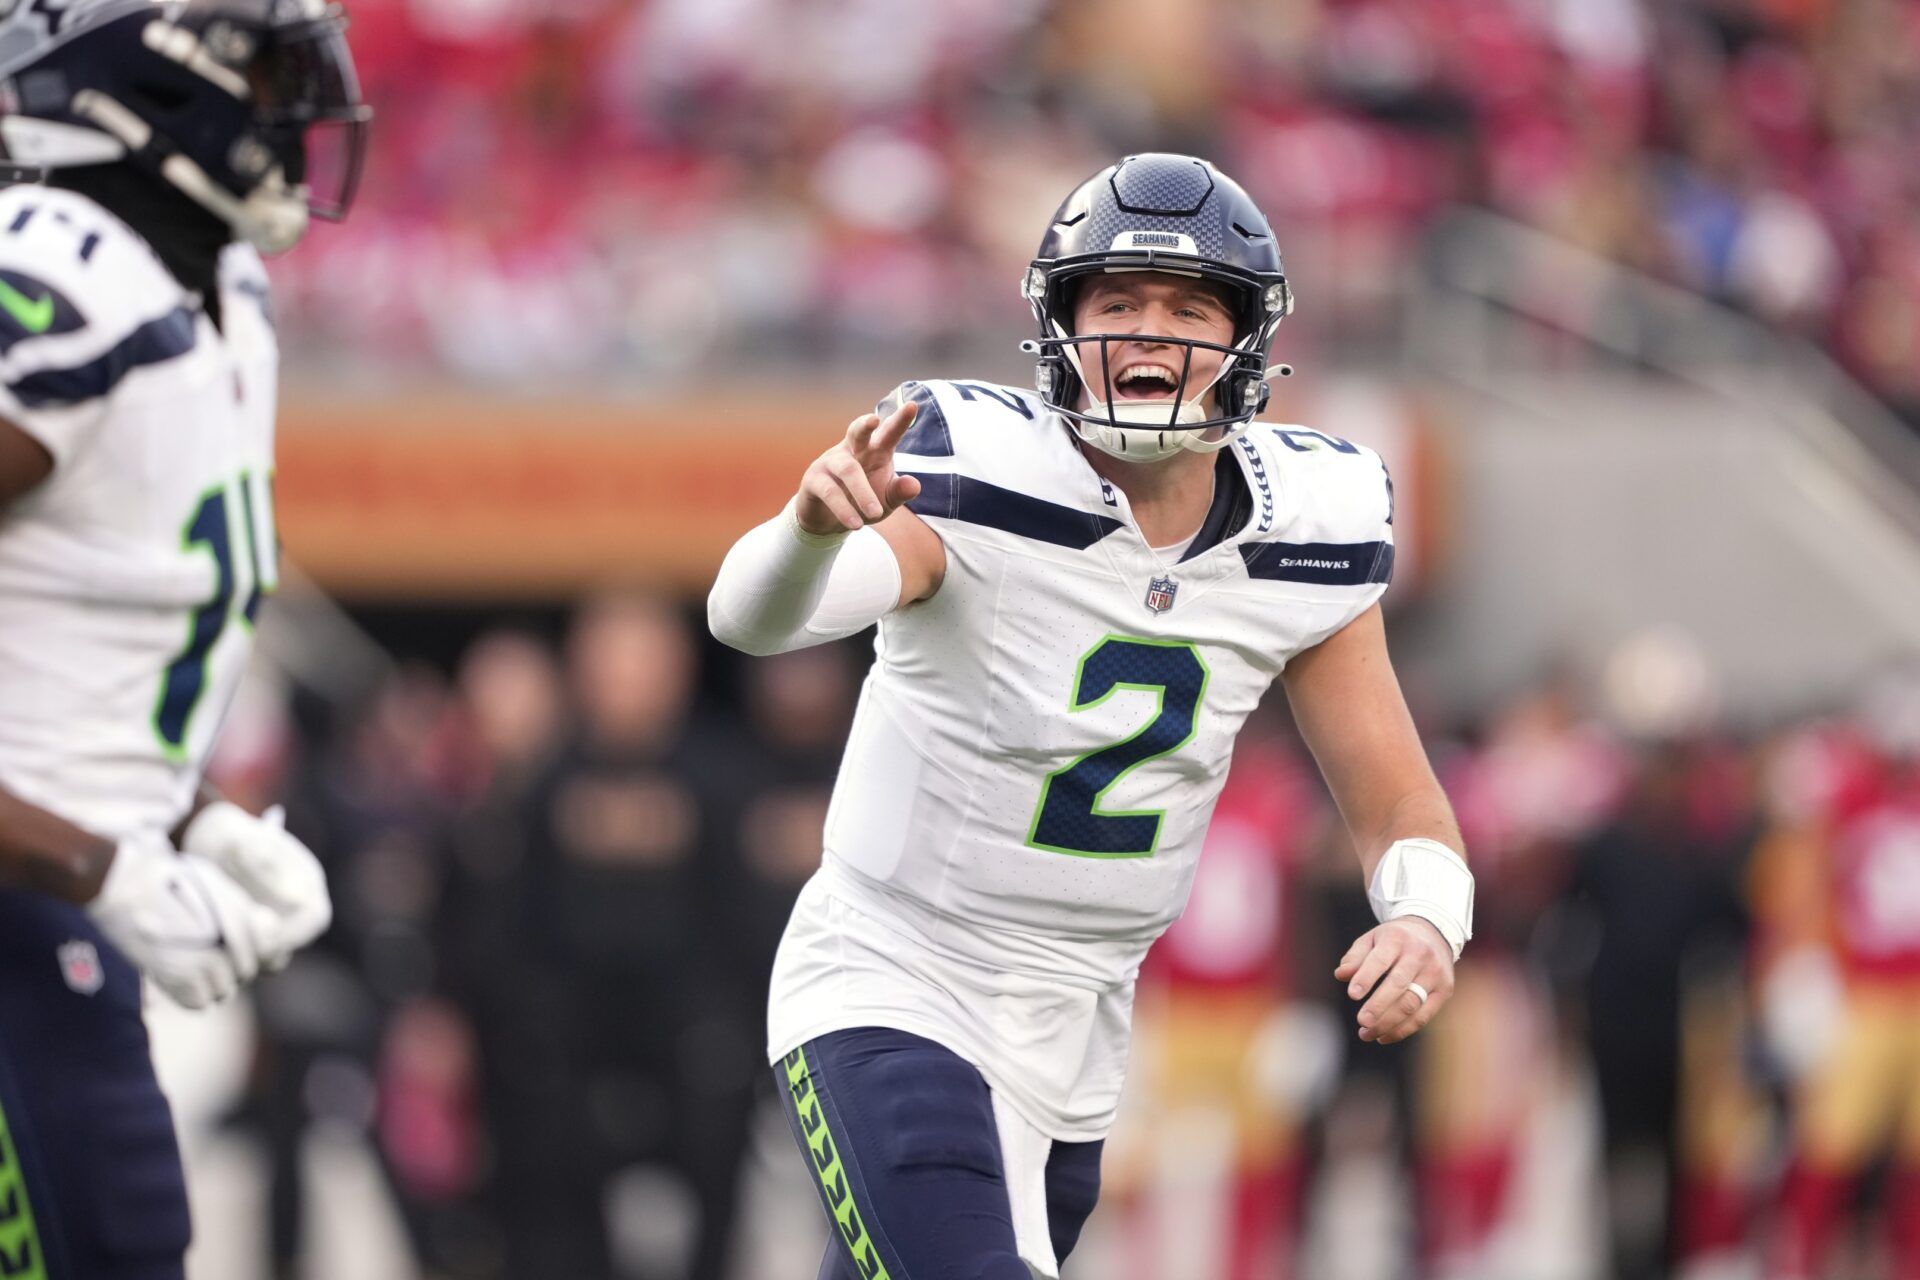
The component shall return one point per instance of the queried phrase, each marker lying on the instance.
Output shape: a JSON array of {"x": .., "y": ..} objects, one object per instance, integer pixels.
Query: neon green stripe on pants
[
  {"x": 21, "y": 1257},
  {"x": 823, "y": 1152}
]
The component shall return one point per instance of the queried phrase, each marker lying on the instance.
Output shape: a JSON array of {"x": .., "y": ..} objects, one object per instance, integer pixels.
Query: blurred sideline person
[
  {"x": 636, "y": 1047},
  {"x": 1224, "y": 1070},
  {"x": 1660, "y": 888},
  {"x": 1085, "y": 595},
  {"x": 798, "y": 706},
  {"x": 1540, "y": 777},
  {"x": 137, "y": 385},
  {"x": 1840, "y": 893}
]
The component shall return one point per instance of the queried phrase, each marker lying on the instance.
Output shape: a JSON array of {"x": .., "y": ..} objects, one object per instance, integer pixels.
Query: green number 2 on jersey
[
  {"x": 212, "y": 527},
  {"x": 1069, "y": 818}
]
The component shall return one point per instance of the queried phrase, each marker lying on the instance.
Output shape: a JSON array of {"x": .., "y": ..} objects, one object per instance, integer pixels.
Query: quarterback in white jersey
[
  {"x": 138, "y": 372},
  {"x": 1082, "y": 593}
]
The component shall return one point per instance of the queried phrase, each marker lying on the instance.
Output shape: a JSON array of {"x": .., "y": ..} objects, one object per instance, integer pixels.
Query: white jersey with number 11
[{"x": 129, "y": 579}]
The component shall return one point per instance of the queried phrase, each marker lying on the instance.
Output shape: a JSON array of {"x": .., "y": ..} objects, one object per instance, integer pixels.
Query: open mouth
[{"x": 1146, "y": 381}]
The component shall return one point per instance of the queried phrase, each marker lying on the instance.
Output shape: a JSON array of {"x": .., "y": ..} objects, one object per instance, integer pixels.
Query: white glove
[
  {"x": 181, "y": 920},
  {"x": 280, "y": 872}
]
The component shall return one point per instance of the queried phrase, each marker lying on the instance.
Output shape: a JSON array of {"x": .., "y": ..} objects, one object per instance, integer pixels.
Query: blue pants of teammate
[
  {"x": 90, "y": 1181},
  {"x": 900, "y": 1136}
]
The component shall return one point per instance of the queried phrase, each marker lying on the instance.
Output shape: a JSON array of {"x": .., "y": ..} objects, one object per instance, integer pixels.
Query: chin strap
[
  {"x": 271, "y": 218},
  {"x": 1149, "y": 437}
]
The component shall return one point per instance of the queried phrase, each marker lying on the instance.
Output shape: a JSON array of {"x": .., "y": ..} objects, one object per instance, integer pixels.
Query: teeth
[{"x": 1146, "y": 371}]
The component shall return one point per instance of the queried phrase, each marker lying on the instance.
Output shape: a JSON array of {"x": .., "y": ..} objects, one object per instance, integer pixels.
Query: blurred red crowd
[
  {"x": 560, "y": 876},
  {"x": 642, "y": 188}
]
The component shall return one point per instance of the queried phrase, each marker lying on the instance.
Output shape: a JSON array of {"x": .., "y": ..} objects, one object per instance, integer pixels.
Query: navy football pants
[
  {"x": 90, "y": 1180},
  {"x": 899, "y": 1134}
]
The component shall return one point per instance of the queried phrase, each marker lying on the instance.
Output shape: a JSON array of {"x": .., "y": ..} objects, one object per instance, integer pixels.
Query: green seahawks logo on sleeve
[{"x": 32, "y": 308}]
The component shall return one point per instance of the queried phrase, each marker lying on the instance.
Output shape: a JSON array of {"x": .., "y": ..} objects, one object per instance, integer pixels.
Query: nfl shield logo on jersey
[
  {"x": 80, "y": 966},
  {"x": 1160, "y": 593}
]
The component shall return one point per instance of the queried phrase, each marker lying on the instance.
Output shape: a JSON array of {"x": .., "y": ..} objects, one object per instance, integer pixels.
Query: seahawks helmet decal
[{"x": 1169, "y": 213}]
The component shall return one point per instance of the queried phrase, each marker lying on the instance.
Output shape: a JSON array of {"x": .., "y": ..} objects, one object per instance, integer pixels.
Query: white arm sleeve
[{"x": 783, "y": 588}]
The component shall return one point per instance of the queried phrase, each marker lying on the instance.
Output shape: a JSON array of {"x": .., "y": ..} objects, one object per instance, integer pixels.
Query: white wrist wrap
[
  {"x": 1425, "y": 878},
  {"x": 783, "y": 588}
]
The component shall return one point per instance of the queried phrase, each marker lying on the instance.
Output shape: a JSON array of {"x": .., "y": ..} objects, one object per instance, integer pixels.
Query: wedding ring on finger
[{"x": 1418, "y": 990}]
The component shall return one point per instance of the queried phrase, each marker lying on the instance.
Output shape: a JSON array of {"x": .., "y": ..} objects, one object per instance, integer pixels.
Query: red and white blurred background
[{"x": 1628, "y": 293}]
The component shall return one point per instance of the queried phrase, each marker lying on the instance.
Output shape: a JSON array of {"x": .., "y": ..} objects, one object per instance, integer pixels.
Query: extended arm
[
  {"x": 783, "y": 588},
  {"x": 838, "y": 557},
  {"x": 1348, "y": 705}
]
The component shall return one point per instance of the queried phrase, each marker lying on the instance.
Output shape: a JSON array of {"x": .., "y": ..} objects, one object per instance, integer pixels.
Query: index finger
[{"x": 888, "y": 433}]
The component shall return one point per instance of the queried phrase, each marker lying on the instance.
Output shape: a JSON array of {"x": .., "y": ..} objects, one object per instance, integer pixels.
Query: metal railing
[{"x": 1500, "y": 297}]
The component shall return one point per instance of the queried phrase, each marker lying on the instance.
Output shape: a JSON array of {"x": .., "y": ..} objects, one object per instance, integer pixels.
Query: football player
[
  {"x": 137, "y": 385},
  {"x": 1081, "y": 595}
]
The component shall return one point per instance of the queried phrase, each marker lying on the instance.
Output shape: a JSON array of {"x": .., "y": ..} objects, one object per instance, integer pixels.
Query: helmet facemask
[
  {"x": 1159, "y": 428},
  {"x": 1178, "y": 215}
]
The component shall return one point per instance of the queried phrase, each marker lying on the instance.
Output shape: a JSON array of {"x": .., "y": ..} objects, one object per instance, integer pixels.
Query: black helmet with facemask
[
  {"x": 221, "y": 99},
  {"x": 1167, "y": 213}
]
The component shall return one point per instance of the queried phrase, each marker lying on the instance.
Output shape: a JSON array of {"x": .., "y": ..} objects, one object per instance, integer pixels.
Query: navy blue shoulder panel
[
  {"x": 929, "y": 436},
  {"x": 971, "y": 501},
  {"x": 1331, "y": 564},
  {"x": 159, "y": 339}
]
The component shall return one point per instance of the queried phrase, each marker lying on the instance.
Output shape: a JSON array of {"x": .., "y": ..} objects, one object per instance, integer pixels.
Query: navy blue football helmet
[
  {"x": 1169, "y": 213},
  {"x": 220, "y": 98}
]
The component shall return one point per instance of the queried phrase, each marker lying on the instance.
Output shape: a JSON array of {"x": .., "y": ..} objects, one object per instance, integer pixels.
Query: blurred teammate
[
  {"x": 1082, "y": 594},
  {"x": 137, "y": 382}
]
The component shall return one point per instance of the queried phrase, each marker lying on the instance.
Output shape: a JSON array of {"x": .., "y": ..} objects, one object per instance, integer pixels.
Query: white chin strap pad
[
  {"x": 272, "y": 217},
  {"x": 1424, "y": 878},
  {"x": 1151, "y": 441}
]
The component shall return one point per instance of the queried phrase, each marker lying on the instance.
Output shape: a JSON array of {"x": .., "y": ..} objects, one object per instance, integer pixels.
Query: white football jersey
[
  {"x": 129, "y": 579},
  {"x": 1039, "y": 747}
]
